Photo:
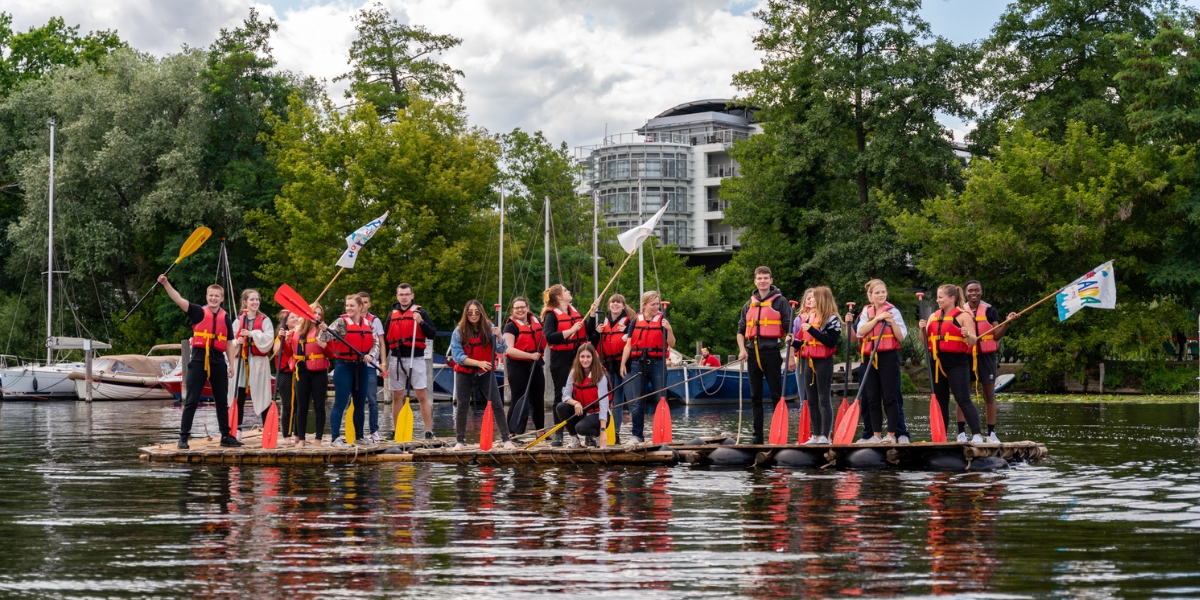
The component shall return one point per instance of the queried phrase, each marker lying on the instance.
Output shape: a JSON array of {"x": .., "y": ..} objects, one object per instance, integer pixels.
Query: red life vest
[
  {"x": 308, "y": 350},
  {"x": 586, "y": 393},
  {"x": 647, "y": 337},
  {"x": 283, "y": 360},
  {"x": 987, "y": 342},
  {"x": 567, "y": 320},
  {"x": 813, "y": 348},
  {"x": 211, "y": 332},
  {"x": 612, "y": 342},
  {"x": 529, "y": 337},
  {"x": 476, "y": 348},
  {"x": 250, "y": 345},
  {"x": 762, "y": 320},
  {"x": 944, "y": 334},
  {"x": 402, "y": 327},
  {"x": 359, "y": 337},
  {"x": 887, "y": 341}
]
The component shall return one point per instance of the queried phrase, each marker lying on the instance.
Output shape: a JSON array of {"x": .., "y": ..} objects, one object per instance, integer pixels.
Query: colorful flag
[
  {"x": 631, "y": 240},
  {"x": 1097, "y": 289},
  {"x": 355, "y": 241}
]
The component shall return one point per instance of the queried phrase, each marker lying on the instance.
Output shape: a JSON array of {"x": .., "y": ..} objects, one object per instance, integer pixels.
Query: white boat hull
[
  {"x": 38, "y": 382},
  {"x": 105, "y": 389}
]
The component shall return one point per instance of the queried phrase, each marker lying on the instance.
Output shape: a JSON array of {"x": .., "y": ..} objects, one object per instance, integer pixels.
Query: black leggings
[
  {"x": 955, "y": 377},
  {"x": 772, "y": 369},
  {"x": 312, "y": 387},
  {"x": 587, "y": 424},
  {"x": 560, "y": 369},
  {"x": 817, "y": 383},
  {"x": 519, "y": 374},
  {"x": 880, "y": 387}
]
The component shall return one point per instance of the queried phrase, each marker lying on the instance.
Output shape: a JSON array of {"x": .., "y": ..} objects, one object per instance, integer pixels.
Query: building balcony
[{"x": 724, "y": 170}]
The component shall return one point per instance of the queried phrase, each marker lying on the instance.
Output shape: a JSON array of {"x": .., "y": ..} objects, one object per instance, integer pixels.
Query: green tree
[
  {"x": 391, "y": 62},
  {"x": 850, "y": 91},
  {"x": 1037, "y": 215},
  {"x": 340, "y": 170},
  {"x": 29, "y": 55},
  {"x": 1050, "y": 62}
]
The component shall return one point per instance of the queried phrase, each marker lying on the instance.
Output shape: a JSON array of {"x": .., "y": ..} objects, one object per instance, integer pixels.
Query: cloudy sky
[{"x": 570, "y": 68}]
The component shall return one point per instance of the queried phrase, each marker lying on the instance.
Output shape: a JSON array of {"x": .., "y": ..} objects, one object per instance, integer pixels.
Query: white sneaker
[
  {"x": 977, "y": 439},
  {"x": 459, "y": 446},
  {"x": 992, "y": 439},
  {"x": 340, "y": 443},
  {"x": 376, "y": 438},
  {"x": 962, "y": 437},
  {"x": 510, "y": 446},
  {"x": 903, "y": 440},
  {"x": 813, "y": 440},
  {"x": 574, "y": 442},
  {"x": 871, "y": 440},
  {"x": 889, "y": 439},
  {"x": 823, "y": 440}
]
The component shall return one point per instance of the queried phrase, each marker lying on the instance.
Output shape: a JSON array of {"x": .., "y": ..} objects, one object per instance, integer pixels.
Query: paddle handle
[
  {"x": 328, "y": 285},
  {"x": 148, "y": 292},
  {"x": 1028, "y": 308}
]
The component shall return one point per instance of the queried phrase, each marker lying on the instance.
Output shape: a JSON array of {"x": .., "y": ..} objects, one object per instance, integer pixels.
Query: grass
[{"x": 1101, "y": 398}]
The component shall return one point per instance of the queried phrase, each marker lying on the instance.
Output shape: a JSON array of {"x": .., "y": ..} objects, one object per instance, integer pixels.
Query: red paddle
[
  {"x": 661, "y": 434},
  {"x": 804, "y": 429},
  {"x": 845, "y": 433},
  {"x": 779, "y": 424},
  {"x": 937, "y": 421},
  {"x": 270, "y": 437},
  {"x": 289, "y": 299},
  {"x": 233, "y": 417},
  {"x": 485, "y": 433}
]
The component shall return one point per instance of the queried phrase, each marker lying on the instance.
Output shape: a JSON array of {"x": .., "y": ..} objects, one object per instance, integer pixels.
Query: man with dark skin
[{"x": 985, "y": 375}]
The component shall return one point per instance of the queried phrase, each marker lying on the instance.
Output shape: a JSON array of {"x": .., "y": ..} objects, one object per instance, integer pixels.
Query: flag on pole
[
  {"x": 632, "y": 239},
  {"x": 355, "y": 241},
  {"x": 1097, "y": 289}
]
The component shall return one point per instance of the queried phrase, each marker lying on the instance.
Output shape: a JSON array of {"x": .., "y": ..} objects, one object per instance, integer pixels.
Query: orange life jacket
[
  {"x": 211, "y": 332},
  {"x": 813, "y": 348},
  {"x": 887, "y": 341},
  {"x": 944, "y": 335},
  {"x": 762, "y": 320},
  {"x": 401, "y": 329},
  {"x": 987, "y": 342},
  {"x": 308, "y": 350},
  {"x": 586, "y": 393},
  {"x": 612, "y": 343},
  {"x": 358, "y": 336},
  {"x": 250, "y": 346},
  {"x": 283, "y": 360},
  {"x": 476, "y": 348},
  {"x": 647, "y": 337},
  {"x": 567, "y": 320},
  {"x": 529, "y": 337}
]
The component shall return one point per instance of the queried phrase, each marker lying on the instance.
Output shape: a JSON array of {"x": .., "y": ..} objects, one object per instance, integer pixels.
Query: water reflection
[{"x": 80, "y": 516}]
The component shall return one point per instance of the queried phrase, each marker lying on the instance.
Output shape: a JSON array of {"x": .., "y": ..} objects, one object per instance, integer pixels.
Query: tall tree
[
  {"x": 391, "y": 61},
  {"x": 29, "y": 55},
  {"x": 850, "y": 91},
  {"x": 1050, "y": 62}
]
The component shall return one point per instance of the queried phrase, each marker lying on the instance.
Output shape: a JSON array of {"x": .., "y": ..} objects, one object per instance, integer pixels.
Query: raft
[{"x": 924, "y": 456}]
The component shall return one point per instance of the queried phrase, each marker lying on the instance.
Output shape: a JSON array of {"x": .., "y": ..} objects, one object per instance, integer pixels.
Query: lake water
[{"x": 1114, "y": 512}]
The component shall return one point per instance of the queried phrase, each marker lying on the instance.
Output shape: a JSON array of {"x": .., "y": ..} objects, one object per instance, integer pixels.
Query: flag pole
[
  {"x": 596, "y": 300},
  {"x": 327, "y": 286}
]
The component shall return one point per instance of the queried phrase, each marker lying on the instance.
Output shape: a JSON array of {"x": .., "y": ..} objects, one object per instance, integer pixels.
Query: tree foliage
[{"x": 30, "y": 55}]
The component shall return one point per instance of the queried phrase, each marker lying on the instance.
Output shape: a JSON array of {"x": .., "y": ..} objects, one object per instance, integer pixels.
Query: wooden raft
[
  {"x": 208, "y": 450},
  {"x": 641, "y": 454}
]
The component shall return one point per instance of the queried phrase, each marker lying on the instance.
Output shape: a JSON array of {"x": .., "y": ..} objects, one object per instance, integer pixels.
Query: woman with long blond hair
[
  {"x": 949, "y": 336},
  {"x": 585, "y": 398},
  {"x": 565, "y": 331},
  {"x": 610, "y": 343},
  {"x": 252, "y": 337},
  {"x": 881, "y": 329},
  {"x": 310, "y": 377},
  {"x": 815, "y": 334},
  {"x": 647, "y": 343},
  {"x": 359, "y": 351},
  {"x": 474, "y": 346}
]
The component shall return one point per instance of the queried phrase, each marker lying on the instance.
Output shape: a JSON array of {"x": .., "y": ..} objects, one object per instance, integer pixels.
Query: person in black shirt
[
  {"x": 210, "y": 360},
  {"x": 985, "y": 360},
  {"x": 761, "y": 335}
]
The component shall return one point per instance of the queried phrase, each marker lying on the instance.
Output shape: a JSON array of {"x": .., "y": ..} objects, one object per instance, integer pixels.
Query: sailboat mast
[
  {"x": 500, "y": 287},
  {"x": 641, "y": 254},
  {"x": 595, "y": 246},
  {"x": 547, "y": 250},
  {"x": 50, "y": 256}
]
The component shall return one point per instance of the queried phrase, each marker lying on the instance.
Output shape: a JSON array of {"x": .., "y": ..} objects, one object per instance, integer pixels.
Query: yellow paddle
[
  {"x": 193, "y": 243},
  {"x": 404, "y": 423},
  {"x": 610, "y": 432},
  {"x": 350, "y": 424}
]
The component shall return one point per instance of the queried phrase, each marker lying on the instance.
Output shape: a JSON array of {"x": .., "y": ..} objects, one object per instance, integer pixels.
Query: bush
[{"x": 1151, "y": 377}]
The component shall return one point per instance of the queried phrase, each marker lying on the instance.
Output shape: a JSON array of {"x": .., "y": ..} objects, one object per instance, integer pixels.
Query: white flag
[
  {"x": 1097, "y": 289},
  {"x": 355, "y": 241},
  {"x": 631, "y": 240}
]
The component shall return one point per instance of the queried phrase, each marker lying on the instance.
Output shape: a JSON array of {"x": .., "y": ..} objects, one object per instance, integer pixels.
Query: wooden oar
[
  {"x": 193, "y": 243},
  {"x": 551, "y": 431}
]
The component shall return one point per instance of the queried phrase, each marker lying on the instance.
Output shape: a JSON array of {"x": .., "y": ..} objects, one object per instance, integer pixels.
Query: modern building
[{"x": 680, "y": 156}]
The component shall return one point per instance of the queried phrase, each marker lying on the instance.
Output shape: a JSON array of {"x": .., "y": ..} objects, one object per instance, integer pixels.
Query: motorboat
[
  {"x": 38, "y": 382},
  {"x": 127, "y": 376}
]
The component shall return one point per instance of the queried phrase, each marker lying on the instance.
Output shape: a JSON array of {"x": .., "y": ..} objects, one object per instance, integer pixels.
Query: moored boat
[
  {"x": 39, "y": 381},
  {"x": 127, "y": 377}
]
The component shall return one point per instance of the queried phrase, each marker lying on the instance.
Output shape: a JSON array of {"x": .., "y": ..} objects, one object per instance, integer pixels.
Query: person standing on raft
[
  {"x": 647, "y": 342},
  {"x": 372, "y": 369},
  {"x": 350, "y": 371},
  {"x": 285, "y": 368},
  {"x": 761, "y": 325},
  {"x": 881, "y": 324},
  {"x": 610, "y": 339},
  {"x": 408, "y": 330},
  {"x": 212, "y": 355},
  {"x": 526, "y": 344},
  {"x": 815, "y": 336},
  {"x": 984, "y": 361},
  {"x": 585, "y": 399},
  {"x": 950, "y": 335},
  {"x": 565, "y": 332},
  {"x": 253, "y": 335},
  {"x": 310, "y": 380},
  {"x": 474, "y": 345}
]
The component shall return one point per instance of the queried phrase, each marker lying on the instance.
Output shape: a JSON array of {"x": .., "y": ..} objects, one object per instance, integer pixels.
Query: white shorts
[{"x": 396, "y": 378}]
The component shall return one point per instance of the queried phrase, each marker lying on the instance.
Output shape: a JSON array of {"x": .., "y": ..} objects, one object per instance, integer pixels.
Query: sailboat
[{"x": 49, "y": 380}]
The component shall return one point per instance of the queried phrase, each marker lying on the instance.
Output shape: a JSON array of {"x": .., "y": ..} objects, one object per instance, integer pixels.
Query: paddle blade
[
  {"x": 270, "y": 436},
  {"x": 841, "y": 412},
  {"x": 804, "y": 429},
  {"x": 662, "y": 422},
  {"x": 937, "y": 421},
  {"x": 849, "y": 424},
  {"x": 779, "y": 424},
  {"x": 233, "y": 418},
  {"x": 289, "y": 299},
  {"x": 485, "y": 432},
  {"x": 517, "y": 417},
  {"x": 610, "y": 432},
  {"x": 404, "y": 423},
  {"x": 350, "y": 433},
  {"x": 193, "y": 243}
]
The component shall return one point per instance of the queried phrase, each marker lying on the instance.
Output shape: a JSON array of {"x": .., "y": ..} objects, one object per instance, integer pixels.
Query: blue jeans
[
  {"x": 650, "y": 374},
  {"x": 373, "y": 395},
  {"x": 345, "y": 389}
]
